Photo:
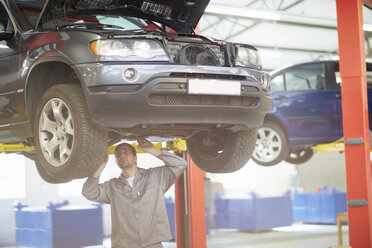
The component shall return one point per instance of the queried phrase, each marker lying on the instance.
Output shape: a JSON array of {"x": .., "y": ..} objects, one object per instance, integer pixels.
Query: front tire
[
  {"x": 223, "y": 151},
  {"x": 68, "y": 143},
  {"x": 271, "y": 145}
]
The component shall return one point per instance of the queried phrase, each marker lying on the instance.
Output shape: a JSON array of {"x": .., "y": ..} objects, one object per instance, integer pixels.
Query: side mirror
[{"x": 6, "y": 35}]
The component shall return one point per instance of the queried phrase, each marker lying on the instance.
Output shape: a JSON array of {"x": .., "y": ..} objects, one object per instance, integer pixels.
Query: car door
[
  {"x": 336, "y": 71},
  {"x": 304, "y": 104},
  {"x": 11, "y": 96}
]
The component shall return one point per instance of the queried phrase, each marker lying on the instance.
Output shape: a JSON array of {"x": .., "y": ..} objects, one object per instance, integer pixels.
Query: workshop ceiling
[{"x": 285, "y": 31}]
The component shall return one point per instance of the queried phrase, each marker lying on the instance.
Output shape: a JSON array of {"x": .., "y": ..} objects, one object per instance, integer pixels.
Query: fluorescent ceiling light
[
  {"x": 242, "y": 12},
  {"x": 367, "y": 27}
]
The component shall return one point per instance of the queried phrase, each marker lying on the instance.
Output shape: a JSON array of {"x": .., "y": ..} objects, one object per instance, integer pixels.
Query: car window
[
  {"x": 277, "y": 83},
  {"x": 369, "y": 78},
  {"x": 5, "y": 22},
  {"x": 30, "y": 10},
  {"x": 31, "y": 15},
  {"x": 305, "y": 77}
]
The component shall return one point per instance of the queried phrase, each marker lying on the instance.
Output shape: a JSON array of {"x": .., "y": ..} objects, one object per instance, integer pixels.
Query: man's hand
[
  {"x": 101, "y": 167},
  {"x": 147, "y": 146}
]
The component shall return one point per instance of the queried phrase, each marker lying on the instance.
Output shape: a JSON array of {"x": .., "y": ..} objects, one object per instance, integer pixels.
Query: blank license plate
[{"x": 213, "y": 87}]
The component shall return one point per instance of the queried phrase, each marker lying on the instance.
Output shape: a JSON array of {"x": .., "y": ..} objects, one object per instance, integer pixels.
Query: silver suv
[{"x": 79, "y": 75}]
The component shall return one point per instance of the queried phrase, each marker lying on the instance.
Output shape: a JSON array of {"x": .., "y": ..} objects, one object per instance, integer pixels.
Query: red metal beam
[
  {"x": 180, "y": 211},
  {"x": 196, "y": 197},
  {"x": 355, "y": 121},
  {"x": 190, "y": 208}
]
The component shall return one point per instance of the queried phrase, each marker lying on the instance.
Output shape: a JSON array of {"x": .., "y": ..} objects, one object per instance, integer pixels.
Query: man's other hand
[{"x": 147, "y": 146}]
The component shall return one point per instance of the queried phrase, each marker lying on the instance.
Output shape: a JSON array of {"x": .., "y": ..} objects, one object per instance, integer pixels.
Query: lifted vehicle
[
  {"x": 306, "y": 111},
  {"x": 79, "y": 75}
]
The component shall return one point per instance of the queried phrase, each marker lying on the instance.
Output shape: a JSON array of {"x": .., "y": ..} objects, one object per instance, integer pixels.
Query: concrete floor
[{"x": 295, "y": 236}]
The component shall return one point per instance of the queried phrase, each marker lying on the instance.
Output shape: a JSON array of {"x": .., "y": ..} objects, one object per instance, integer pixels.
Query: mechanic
[{"x": 138, "y": 213}]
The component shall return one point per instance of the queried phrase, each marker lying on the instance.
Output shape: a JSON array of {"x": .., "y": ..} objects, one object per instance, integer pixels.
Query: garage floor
[{"x": 295, "y": 236}]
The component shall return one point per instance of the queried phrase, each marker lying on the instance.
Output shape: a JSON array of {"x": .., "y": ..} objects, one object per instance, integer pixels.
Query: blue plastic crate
[
  {"x": 340, "y": 202},
  {"x": 314, "y": 215},
  {"x": 170, "y": 212},
  {"x": 300, "y": 214},
  {"x": 314, "y": 199},
  {"x": 256, "y": 214},
  {"x": 221, "y": 205},
  {"x": 300, "y": 200},
  {"x": 34, "y": 237},
  {"x": 247, "y": 222},
  {"x": 273, "y": 212},
  {"x": 221, "y": 220},
  {"x": 322, "y": 207},
  {"x": 58, "y": 226}
]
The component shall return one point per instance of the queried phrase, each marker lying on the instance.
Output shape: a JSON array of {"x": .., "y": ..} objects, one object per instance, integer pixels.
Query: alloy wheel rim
[
  {"x": 56, "y": 132},
  {"x": 268, "y": 145}
]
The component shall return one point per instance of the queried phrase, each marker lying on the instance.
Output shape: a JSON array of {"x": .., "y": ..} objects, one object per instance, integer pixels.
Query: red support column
[
  {"x": 180, "y": 212},
  {"x": 355, "y": 121},
  {"x": 190, "y": 208},
  {"x": 196, "y": 197}
]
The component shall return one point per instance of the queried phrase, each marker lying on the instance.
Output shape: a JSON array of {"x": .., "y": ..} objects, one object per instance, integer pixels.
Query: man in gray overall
[{"x": 138, "y": 213}]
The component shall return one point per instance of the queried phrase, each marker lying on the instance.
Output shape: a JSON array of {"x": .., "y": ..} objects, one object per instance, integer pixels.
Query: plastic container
[{"x": 58, "y": 225}]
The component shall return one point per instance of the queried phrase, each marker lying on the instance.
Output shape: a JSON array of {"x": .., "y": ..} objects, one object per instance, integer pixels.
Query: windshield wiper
[{"x": 91, "y": 24}]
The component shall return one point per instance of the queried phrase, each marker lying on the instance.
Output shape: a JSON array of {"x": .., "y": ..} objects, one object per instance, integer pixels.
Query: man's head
[{"x": 125, "y": 156}]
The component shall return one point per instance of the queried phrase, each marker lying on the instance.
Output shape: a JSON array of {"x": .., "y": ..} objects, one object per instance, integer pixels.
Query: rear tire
[
  {"x": 222, "y": 151},
  {"x": 68, "y": 143},
  {"x": 299, "y": 155},
  {"x": 42, "y": 173}
]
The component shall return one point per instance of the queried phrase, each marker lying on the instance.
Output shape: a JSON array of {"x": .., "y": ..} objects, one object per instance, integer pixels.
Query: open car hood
[{"x": 181, "y": 15}]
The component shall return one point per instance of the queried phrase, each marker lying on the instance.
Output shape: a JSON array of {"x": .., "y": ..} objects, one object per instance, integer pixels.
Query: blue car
[{"x": 306, "y": 111}]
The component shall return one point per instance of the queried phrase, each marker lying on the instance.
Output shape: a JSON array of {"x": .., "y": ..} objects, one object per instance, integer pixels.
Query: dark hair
[{"x": 127, "y": 145}]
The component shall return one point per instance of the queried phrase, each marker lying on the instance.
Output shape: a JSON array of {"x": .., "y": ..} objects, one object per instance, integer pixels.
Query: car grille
[
  {"x": 208, "y": 76},
  {"x": 201, "y": 100},
  {"x": 196, "y": 54}
]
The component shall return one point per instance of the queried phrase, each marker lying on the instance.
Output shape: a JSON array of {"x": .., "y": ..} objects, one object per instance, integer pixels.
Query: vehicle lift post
[
  {"x": 355, "y": 121},
  {"x": 190, "y": 208},
  {"x": 191, "y": 229}
]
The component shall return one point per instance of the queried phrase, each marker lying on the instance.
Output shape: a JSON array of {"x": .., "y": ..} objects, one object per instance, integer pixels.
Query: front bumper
[{"x": 160, "y": 97}]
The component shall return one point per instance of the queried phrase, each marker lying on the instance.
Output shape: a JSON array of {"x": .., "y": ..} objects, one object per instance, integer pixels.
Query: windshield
[
  {"x": 100, "y": 21},
  {"x": 30, "y": 10}
]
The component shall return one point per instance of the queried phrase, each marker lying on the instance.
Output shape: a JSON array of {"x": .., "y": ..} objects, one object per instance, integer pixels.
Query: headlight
[
  {"x": 265, "y": 81},
  {"x": 247, "y": 57},
  {"x": 129, "y": 50}
]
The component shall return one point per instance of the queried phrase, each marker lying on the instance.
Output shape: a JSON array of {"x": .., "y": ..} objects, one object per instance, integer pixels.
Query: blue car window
[
  {"x": 369, "y": 78},
  {"x": 277, "y": 83},
  {"x": 305, "y": 77}
]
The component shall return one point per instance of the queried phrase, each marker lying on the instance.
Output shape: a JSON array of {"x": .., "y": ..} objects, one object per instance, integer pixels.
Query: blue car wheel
[{"x": 271, "y": 145}]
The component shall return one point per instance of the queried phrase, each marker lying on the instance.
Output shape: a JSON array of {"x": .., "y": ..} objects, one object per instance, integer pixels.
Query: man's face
[{"x": 124, "y": 157}]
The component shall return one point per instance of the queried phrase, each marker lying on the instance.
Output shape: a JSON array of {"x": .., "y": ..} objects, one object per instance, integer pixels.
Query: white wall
[
  {"x": 327, "y": 168},
  {"x": 265, "y": 181}
]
